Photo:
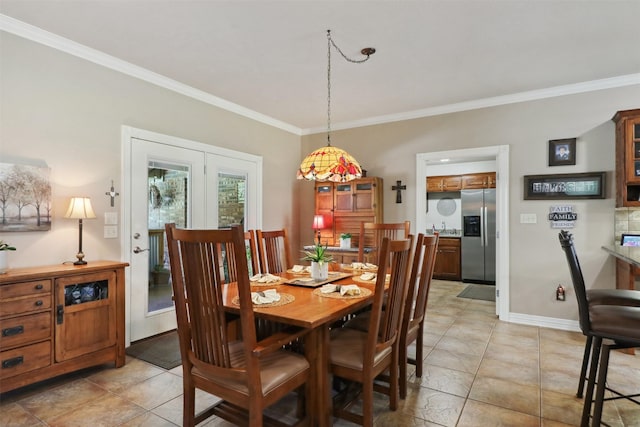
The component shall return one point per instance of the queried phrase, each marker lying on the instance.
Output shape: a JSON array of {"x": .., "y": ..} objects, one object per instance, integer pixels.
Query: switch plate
[
  {"x": 111, "y": 218},
  {"x": 530, "y": 218},
  {"x": 110, "y": 232}
]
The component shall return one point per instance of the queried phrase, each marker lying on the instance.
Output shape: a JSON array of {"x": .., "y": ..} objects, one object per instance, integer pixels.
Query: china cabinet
[{"x": 627, "y": 158}]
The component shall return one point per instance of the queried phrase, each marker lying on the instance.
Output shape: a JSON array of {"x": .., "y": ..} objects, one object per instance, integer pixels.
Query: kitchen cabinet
[
  {"x": 447, "y": 265},
  {"x": 627, "y": 158},
  {"x": 478, "y": 181},
  {"x": 58, "y": 319},
  {"x": 344, "y": 205},
  {"x": 438, "y": 184}
]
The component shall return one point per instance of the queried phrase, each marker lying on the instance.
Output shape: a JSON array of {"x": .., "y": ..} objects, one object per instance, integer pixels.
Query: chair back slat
[
  {"x": 273, "y": 247},
  {"x": 420, "y": 280},
  {"x": 372, "y": 233}
]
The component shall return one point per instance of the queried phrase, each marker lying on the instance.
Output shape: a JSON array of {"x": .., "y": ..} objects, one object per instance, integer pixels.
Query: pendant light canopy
[{"x": 331, "y": 163}]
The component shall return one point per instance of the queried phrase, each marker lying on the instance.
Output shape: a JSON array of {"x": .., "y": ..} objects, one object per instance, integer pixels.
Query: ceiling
[{"x": 270, "y": 56}]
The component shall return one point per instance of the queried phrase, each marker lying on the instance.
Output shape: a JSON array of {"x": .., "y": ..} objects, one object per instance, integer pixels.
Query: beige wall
[
  {"x": 69, "y": 112},
  {"x": 536, "y": 262}
]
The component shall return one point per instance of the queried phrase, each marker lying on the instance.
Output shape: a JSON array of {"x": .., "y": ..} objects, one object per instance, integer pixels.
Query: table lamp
[
  {"x": 318, "y": 224},
  {"x": 80, "y": 208}
]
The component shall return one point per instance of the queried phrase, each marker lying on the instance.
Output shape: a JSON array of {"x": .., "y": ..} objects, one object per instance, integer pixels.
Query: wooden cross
[
  {"x": 112, "y": 193},
  {"x": 398, "y": 189}
]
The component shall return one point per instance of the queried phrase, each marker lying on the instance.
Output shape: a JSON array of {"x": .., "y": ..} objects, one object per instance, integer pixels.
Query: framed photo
[
  {"x": 590, "y": 185},
  {"x": 562, "y": 152}
]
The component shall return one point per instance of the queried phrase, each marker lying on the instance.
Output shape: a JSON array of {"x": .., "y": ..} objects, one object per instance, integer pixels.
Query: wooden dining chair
[
  {"x": 372, "y": 233},
  {"x": 273, "y": 247},
  {"x": 249, "y": 375},
  {"x": 359, "y": 356}
]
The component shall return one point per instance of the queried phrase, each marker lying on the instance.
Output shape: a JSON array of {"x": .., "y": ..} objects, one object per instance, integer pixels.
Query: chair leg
[
  {"x": 189, "y": 407},
  {"x": 588, "y": 400},
  {"x": 419, "y": 353},
  {"x": 602, "y": 379},
  {"x": 585, "y": 366},
  {"x": 403, "y": 371},
  {"x": 367, "y": 404}
]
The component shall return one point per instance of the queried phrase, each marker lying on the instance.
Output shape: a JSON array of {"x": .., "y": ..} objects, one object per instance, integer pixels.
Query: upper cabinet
[
  {"x": 345, "y": 204},
  {"x": 436, "y": 184},
  {"x": 627, "y": 157}
]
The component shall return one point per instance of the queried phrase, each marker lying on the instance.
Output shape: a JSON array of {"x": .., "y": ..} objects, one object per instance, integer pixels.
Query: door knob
[
  {"x": 137, "y": 250},
  {"x": 136, "y": 236}
]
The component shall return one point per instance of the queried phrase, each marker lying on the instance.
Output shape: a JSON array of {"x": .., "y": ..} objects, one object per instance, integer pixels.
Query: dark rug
[
  {"x": 161, "y": 350},
  {"x": 483, "y": 292}
]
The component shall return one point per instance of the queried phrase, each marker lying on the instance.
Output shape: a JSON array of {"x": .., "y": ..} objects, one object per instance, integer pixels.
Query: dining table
[{"x": 307, "y": 307}]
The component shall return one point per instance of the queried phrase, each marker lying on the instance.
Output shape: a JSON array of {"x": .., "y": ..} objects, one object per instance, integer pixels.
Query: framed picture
[
  {"x": 590, "y": 185},
  {"x": 562, "y": 152}
]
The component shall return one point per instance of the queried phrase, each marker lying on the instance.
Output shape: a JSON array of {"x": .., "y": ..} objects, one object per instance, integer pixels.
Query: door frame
[
  {"x": 501, "y": 155},
  {"x": 254, "y": 219}
]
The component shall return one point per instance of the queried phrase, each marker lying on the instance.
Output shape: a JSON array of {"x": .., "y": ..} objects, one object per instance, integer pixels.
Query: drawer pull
[
  {"x": 39, "y": 287},
  {"x": 16, "y": 330},
  {"x": 60, "y": 314},
  {"x": 10, "y": 363},
  {"x": 39, "y": 303}
]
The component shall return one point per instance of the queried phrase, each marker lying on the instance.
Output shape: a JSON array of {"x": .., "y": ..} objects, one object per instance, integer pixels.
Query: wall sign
[
  {"x": 562, "y": 216},
  {"x": 589, "y": 185}
]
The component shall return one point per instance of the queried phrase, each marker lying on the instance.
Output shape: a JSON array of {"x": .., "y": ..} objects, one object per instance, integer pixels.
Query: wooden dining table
[{"x": 316, "y": 313}]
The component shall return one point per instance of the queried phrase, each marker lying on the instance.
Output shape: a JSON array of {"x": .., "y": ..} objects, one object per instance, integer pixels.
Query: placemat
[
  {"x": 364, "y": 292},
  {"x": 284, "y": 300},
  {"x": 260, "y": 284},
  {"x": 364, "y": 270},
  {"x": 357, "y": 279}
]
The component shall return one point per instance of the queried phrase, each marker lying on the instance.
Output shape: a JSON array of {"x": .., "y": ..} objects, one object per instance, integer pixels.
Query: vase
[
  {"x": 319, "y": 271},
  {"x": 4, "y": 266},
  {"x": 345, "y": 243}
]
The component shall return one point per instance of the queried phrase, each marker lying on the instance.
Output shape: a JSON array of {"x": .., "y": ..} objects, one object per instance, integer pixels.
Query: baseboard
[{"x": 544, "y": 322}]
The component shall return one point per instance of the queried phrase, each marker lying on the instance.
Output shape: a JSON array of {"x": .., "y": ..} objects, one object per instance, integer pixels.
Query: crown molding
[
  {"x": 54, "y": 41},
  {"x": 532, "y": 95}
]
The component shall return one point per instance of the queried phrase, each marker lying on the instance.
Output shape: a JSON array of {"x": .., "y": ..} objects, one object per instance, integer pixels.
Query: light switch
[
  {"x": 111, "y": 218},
  {"x": 110, "y": 232},
  {"x": 530, "y": 218}
]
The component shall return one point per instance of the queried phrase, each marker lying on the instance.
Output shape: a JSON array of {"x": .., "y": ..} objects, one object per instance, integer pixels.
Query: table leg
[
  {"x": 625, "y": 275},
  {"x": 317, "y": 353}
]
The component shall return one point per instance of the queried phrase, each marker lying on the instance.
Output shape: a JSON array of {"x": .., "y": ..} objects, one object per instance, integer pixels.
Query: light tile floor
[{"x": 479, "y": 371}]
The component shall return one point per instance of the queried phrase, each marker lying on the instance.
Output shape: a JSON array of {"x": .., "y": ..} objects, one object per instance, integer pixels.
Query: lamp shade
[
  {"x": 80, "y": 208},
  {"x": 318, "y": 222},
  {"x": 329, "y": 163}
]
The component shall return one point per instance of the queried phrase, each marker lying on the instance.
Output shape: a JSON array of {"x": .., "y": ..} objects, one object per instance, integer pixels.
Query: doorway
[
  {"x": 171, "y": 180},
  {"x": 499, "y": 154}
]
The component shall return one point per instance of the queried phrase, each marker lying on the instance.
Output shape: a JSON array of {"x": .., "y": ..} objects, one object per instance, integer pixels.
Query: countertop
[
  {"x": 454, "y": 234},
  {"x": 630, "y": 254}
]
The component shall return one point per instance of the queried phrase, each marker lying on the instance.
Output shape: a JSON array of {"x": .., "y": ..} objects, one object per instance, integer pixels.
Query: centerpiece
[
  {"x": 320, "y": 260},
  {"x": 345, "y": 240}
]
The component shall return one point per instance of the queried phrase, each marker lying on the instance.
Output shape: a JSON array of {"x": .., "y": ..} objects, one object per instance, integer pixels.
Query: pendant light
[{"x": 331, "y": 163}]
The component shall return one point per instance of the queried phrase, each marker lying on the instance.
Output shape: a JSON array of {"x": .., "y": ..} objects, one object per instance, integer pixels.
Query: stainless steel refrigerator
[{"x": 478, "y": 236}]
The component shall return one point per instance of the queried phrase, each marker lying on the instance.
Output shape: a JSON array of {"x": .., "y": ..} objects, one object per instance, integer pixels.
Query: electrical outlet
[
  {"x": 530, "y": 218},
  {"x": 110, "y": 232}
]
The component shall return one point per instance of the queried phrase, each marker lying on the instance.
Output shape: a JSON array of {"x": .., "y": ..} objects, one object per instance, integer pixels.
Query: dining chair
[
  {"x": 609, "y": 327},
  {"x": 249, "y": 375},
  {"x": 358, "y": 356},
  {"x": 250, "y": 253},
  {"x": 414, "y": 311},
  {"x": 371, "y": 234},
  {"x": 274, "y": 251}
]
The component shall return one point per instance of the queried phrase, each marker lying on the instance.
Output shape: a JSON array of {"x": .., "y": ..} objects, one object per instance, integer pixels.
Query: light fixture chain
[
  {"x": 355, "y": 61},
  {"x": 329, "y": 41}
]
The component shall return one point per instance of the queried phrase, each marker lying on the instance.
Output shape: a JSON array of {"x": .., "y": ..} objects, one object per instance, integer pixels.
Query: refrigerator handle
[{"x": 484, "y": 227}]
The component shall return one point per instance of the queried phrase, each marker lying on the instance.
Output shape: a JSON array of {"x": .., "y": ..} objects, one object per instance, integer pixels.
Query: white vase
[
  {"x": 4, "y": 266},
  {"x": 345, "y": 243},
  {"x": 319, "y": 271}
]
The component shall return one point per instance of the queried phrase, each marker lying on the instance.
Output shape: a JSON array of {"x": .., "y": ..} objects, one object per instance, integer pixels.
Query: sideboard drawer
[
  {"x": 25, "y": 305},
  {"x": 25, "y": 329},
  {"x": 25, "y": 288},
  {"x": 25, "y": 359}
]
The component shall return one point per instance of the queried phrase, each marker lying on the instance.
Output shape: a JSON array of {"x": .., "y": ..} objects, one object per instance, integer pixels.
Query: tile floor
[{"x": 479, "y": 371}]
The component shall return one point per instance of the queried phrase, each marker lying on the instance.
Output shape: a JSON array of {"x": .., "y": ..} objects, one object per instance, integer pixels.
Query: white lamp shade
[{"x": 80, "y": 208}]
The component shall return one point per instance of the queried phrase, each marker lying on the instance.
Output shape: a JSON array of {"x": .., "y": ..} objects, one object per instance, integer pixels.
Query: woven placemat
[
  {"x": 284, "y": 300},
  {"x": 364, "y": 292},
  {"x": 357, "y": 279},
  {"x": 263, "y": 284},
  {"x": 363, "y": 270}
]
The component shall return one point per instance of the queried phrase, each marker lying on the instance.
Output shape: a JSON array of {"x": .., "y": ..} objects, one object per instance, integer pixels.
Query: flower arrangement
[
  {"x": 345, "y": 236},
  {"x": 318, "y": 254},
  {"x": 4, "y": 246}
]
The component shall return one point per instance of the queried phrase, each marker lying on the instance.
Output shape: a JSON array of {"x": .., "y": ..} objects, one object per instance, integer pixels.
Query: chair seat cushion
[
  {"x": 621, "y": 323},
  {"x": 613, "y": 297},
  {"x": 347, "y": 348},
  {"x": 275, "y": 369}
]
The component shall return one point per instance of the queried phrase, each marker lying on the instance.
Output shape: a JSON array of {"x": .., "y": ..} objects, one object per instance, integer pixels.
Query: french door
[{"x": 193, "y": 185}]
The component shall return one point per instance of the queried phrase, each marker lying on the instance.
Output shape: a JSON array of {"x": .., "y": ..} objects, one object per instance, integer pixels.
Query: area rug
[
  {"x": 161, "y": 350},
  {"x": 482, "y": 292}
]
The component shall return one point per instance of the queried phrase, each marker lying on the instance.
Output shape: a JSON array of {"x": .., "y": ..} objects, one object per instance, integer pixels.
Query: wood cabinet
[
  {"x": 447, "y": 265},
  {"x": 58, "y": 319},
  {"x": 439, "y": 184},
  {"x": 627, "y": 158},
  {"x": 345, "y": 205}
]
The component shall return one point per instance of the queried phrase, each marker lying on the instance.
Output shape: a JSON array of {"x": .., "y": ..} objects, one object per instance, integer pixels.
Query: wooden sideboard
[{"x": 58, "y": 319}]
